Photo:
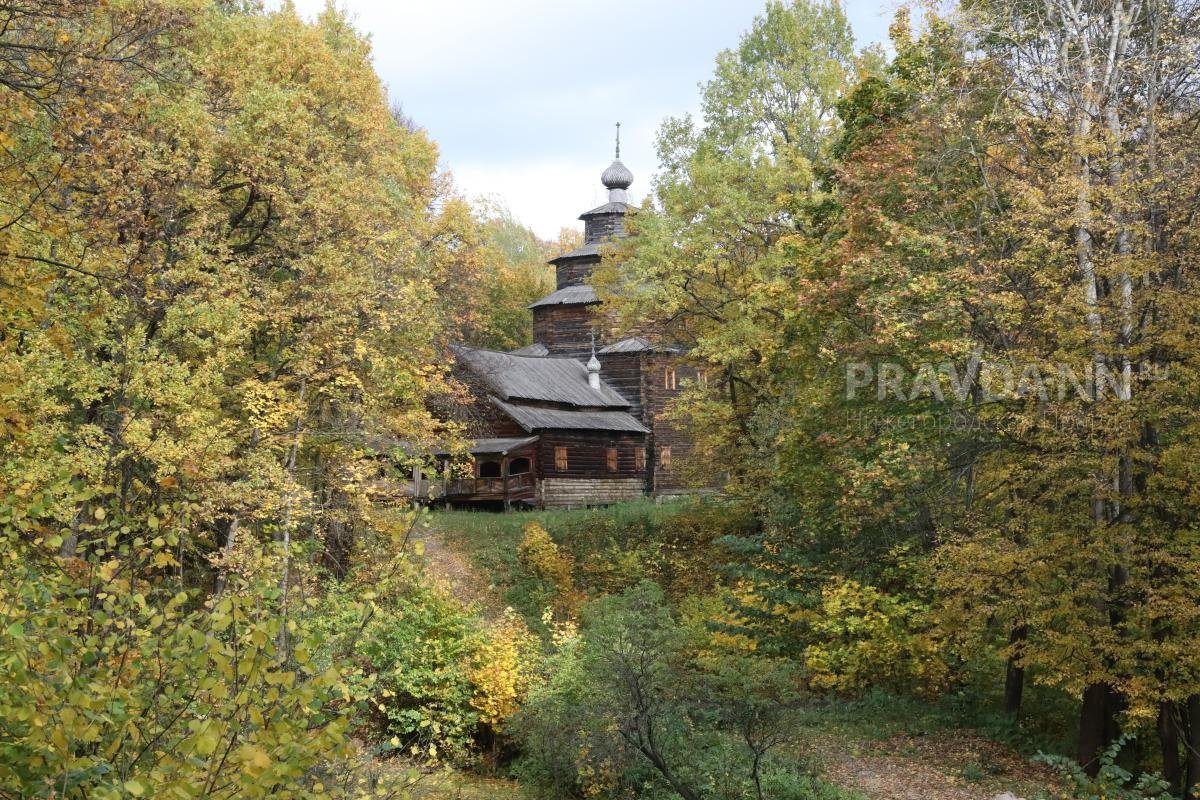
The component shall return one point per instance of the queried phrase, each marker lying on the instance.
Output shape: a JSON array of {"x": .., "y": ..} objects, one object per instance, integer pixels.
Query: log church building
[{"x": 573, "y": 419}]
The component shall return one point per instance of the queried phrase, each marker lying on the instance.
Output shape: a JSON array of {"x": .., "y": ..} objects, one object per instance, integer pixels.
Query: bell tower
[{"x": 562, "y": 319}]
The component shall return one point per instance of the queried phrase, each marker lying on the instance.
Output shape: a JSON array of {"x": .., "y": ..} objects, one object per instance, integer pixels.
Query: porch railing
[{"x": 495, "y": 487}]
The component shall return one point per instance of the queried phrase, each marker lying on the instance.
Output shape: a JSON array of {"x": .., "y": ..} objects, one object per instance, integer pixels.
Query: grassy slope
[{"x": 961, "y": 740}]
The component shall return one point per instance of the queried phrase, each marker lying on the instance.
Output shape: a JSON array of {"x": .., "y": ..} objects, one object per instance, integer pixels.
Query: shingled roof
[
  {"x": 537, "y": 350},
  {"x": 588, "y": 250},
  {"x": 539, "y": 419},
  {"x": 636, "y": 344},
  {"x": 580, "y": 295},
  {"x": 551, "y": 380},
  {"x": 608, "y": 208}
]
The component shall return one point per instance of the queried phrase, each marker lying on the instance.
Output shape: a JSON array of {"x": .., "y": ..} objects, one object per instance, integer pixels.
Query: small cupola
[
  {"x": 593, "y": 367},
  {"x": 617, "y": 178}
]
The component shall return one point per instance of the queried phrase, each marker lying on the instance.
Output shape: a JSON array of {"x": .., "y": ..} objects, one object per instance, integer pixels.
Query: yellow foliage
[
  {"x": 501, "y": 671},
  {"x": 543, "y": 558},
  {"x": 862, "y": 637}
]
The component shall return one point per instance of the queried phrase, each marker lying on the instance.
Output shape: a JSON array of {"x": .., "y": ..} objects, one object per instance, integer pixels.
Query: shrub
[
  {"x": 630, "y": 711},
  {"x": 1112, "y": 781},
  {"x": 112, "y": 687},
  {"x": 412, "y": 647},
  {"x": 860, "y": 638},
  {"x": 543, "y": 559}
]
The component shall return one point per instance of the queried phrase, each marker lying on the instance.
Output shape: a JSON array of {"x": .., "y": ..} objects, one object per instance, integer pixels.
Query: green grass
[
  {"x": 613, "y": 547},
  {"x": 1044, "y": 726},
  {"x": 454, "y": 785}
]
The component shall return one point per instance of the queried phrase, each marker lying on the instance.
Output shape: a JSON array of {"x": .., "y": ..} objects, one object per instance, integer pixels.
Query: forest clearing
[{"x": 845, "y": 448}]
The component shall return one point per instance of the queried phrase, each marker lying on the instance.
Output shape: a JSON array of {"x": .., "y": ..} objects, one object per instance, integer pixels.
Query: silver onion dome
[{"x": 617, "y": 176}]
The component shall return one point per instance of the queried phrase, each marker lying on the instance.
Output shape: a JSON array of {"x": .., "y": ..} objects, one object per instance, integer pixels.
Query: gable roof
[
  {"x": 636, "y": 344},
  {"x": 536, "y": 419},
  {"x": 569, "y": 296},
  {"x": 536, "y": 350},
  {"x": 551, "y": 380}
]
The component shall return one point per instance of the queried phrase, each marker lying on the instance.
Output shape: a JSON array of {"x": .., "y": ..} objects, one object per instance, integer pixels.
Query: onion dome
[{"x": 617, "y": 176}]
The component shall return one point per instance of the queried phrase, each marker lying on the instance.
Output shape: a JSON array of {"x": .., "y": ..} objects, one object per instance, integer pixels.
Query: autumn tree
[{"x": 219, "y": 266}]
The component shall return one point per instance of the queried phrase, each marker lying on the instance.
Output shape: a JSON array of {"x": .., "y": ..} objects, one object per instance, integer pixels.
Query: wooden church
[{"x": 573, "y": 419}]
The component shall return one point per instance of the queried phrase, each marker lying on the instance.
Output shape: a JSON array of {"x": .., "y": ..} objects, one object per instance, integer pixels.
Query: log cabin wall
[
  {"x": 587, "y": 454},
  {"x": 623, "y": 372},
  {"x": 565, "y": 330},
  {"x": 574, "y": 272},
  {"x": 603, "y": 226},
  {"x": 656, "y": 395},
  {"x": 580, "y": 492}
]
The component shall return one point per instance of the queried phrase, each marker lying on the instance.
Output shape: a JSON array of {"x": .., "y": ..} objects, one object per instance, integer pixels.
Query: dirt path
[
  {"x": 452, "y": 571},
  {"x": 959, "y": 765}
]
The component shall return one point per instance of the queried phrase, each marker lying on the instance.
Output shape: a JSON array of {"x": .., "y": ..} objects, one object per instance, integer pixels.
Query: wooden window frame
[
  {"x": 670, "y": 382},
  {"x": 664, "y": 458},
  {"x": 612, "y": 459},
  {"x": 561, "y": 461},
  {"x": 639, "y": 458}
]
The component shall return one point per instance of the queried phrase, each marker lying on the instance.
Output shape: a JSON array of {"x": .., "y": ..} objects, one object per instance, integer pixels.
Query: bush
[
  {"x": 1112, "y": 781},
  {"x": 543, "y": 560},
  {"x": 116, "y": 688},
  {"x": 632, "y": 709},
  {"x": 861, "y": 638},
  {"x": 437, "y": 681}
]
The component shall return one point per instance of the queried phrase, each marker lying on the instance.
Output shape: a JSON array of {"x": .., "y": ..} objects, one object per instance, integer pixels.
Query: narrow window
[
  {"x": 612, "y": 459},
  {"x": 639, "y": 458},
  {"x": 560, "y": 459},
  {"x": 669, "y": 378},
  {"x": 702, "y": 379},
  {"x": 664, "y": 458}
]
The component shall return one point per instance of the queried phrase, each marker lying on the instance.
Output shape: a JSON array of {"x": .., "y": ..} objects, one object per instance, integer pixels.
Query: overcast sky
[{"x": 521, "y": 95}]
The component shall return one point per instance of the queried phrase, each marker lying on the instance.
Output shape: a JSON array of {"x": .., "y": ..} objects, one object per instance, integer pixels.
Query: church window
[
  {"x": 611, "y": 455},
  {"x": 669, "y": 378},
  {"x": 664, "y": 458},
  {"x": 560, "y": 459}
]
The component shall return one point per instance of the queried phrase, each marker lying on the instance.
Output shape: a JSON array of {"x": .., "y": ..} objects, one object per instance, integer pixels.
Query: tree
[
  {"x": 706, "y": 269},
  {"x": 217, "y": 295}
]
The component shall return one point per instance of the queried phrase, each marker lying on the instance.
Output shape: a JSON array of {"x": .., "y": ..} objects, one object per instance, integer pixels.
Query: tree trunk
[
  {"x": 1014, "y": 677},
  {"x": 227, "y": 552},
  {"x": 1168, "y": 740},
  {"x": 1192, "y": 745},
  {"x": 1095, "y": 725}
]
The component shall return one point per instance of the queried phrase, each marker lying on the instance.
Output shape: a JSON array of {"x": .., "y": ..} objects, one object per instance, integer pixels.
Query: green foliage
[
  {"x": 115, "y": 681},
  {"x": 412, "y": 646},
  {"x": 636, "y": 704},
  {"x": 1111, "y": 781}
]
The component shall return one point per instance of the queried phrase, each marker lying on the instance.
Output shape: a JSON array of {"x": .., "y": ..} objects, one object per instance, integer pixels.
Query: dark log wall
[
  {"x": 565, "y": 330},
  {"x": 574, "y": 272},
  {"x": 603, "y": 226},
  {"x": 587, "y": 454},
  {"x": 623, "y": 372},
  {"x": 655, "y": 397}
]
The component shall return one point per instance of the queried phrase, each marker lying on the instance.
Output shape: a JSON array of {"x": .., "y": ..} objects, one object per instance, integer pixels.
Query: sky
[{"x": 521, "y": 96}]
